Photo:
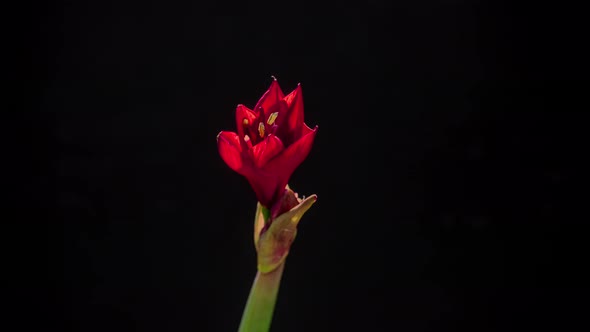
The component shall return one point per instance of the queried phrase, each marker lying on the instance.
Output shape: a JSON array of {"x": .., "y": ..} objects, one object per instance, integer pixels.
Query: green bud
[{"x": 273, "y": 244}]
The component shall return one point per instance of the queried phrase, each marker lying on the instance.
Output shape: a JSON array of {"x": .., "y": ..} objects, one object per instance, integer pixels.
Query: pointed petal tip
[
  {"x": 273, "y": 77},
  {"x": 309, "y": 199},
  {"x": 313, "y": 198},
  {"x": 275, "y": 85},
  {"x": 302, "y": 207}
]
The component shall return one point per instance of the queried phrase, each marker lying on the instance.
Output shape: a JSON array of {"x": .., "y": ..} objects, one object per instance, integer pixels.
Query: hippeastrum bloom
[{"x": 271, "y": 141}]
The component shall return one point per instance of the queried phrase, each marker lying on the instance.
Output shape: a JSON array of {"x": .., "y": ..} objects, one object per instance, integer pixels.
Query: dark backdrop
[{"x": 444, "y": 165}]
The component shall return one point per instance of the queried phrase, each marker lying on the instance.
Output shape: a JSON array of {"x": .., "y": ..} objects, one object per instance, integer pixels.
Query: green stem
[{"x": 258, "y": 312}]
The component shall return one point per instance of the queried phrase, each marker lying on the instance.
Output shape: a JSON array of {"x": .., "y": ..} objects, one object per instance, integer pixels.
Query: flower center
[{"x": 263, "y": 131}]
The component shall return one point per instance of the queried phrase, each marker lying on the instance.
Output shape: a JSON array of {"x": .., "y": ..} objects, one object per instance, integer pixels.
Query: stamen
[
  {"x": 261, "y": 129},
  {"x": 245, "y": 122},
  {"x": 248, "y": 141},
  {"x": 272, "y": 117}
]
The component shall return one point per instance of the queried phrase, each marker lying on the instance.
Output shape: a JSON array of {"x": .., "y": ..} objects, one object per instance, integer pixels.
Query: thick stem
[{"x": 258, "y": 312}]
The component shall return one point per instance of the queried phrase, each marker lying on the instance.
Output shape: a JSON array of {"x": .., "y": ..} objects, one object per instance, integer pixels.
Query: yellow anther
[
  {"x": 261, "y": 129},
  {"x": 245, "y": 122},
  {"x": 272, "y": 117},
  {"x": 246, "y": 138}
]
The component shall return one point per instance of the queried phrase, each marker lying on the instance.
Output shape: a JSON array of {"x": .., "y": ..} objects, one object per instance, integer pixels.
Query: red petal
[
  {"x": 265, "y": 187},
  {"x": 285, "y": 164},
  {"x": 266, "y": 150},
  {"x": 272, "y": 96},
  {"x": 294, "y": 102},
  {"x": 228, "y": 144}
]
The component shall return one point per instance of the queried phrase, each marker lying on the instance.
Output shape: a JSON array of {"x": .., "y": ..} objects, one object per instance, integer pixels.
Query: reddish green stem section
[{"x": 258, "y": 312}]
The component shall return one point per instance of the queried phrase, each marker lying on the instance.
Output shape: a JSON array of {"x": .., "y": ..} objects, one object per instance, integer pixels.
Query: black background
[{"x": 444, "y": 165}]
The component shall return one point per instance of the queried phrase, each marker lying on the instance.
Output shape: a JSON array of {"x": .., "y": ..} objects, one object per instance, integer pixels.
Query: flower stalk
[
  {"x": 261, "y": 301},
  {"x": 269, "y": 143},
  {"x": 272, "y": 248}
]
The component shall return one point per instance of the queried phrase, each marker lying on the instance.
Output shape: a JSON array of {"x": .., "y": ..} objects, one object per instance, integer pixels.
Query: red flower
[{"x": 270, "y": 143}]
